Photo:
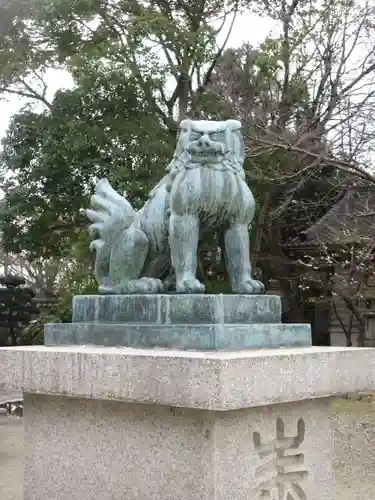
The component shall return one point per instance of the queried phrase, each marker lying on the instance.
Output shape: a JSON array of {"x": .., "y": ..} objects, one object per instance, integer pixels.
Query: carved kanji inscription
[{"x": 281, "y": 470}]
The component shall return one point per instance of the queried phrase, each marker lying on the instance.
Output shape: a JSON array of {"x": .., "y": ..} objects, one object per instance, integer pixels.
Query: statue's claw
[
  {"x": 251, "y": 287},
  {"x": 190, "y": 285}
]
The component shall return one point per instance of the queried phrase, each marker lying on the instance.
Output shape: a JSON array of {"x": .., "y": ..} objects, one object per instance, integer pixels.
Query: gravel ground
[{"x": 354, "y": 429}]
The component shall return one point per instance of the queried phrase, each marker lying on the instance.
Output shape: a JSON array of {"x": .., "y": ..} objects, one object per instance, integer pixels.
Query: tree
[
  {"x": 305, "y": 100},
  {"x": 50, "y": 161},
  {"x": 120, "y": 104},
  {"x": 40, "y": 275},
  {"x": 173, "y": 43},
  {"x": 170, "y": 43},
  {"x": 24, "y": 58},
  {"x": 343, "y": 260},
  {"x": 16, "y": 307},
  {"x": 298, "y": 95},
  {"x": 309, "y": 91}
]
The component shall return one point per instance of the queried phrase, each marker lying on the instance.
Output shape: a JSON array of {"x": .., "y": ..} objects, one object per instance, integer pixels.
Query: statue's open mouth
[
  {"x": 205, "y": 157},
  {"x": 211, "y": 153},
  {"x": 202, "y": 154}
]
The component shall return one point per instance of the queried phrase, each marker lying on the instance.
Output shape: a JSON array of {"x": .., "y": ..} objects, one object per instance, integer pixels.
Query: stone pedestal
[
  {"x": 199, "y": 322},
  {"x": 213, "y": 417},
  {"x": 134, "y": 424}
]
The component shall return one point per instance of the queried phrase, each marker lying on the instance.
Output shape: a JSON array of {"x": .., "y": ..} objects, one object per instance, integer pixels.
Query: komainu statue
[{"x": 204, "y": 190}]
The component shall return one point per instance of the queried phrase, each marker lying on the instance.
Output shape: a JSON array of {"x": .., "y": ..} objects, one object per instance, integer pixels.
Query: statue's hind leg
[
  {"x": 237, "y": 257},
  {"x": 128, "y": 258}
]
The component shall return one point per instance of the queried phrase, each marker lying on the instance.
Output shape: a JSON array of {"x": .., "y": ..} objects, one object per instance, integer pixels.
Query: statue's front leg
[
  {"x": 237, "y": 257},
  {"x": 183, "y": 241}
]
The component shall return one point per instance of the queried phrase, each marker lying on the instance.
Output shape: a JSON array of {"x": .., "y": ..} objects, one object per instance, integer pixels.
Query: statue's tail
[{"x": 110, "y": 215}]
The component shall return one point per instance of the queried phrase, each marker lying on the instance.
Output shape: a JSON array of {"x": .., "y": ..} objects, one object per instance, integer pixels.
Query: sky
[{"x": 247, "y": 28}]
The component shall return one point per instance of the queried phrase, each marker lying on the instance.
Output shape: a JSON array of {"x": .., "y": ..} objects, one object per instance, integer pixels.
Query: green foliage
[
  {"x": 155, "y": 42},
  {"x": 74, "y": 282},
  {"x": 139, "y": 66},
  {"x": 102, "y": 128},
  {"x": 33, "y": 333},
  {"x": 16, "y": 307},
  {"x": 77, "y": 286},
  {"x": 117, "y": 122}
]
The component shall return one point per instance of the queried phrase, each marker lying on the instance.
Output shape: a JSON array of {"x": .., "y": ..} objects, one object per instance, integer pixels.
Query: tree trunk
[{"x": 354, "y": 309}]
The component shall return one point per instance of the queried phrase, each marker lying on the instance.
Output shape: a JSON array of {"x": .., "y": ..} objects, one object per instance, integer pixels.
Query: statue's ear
[
  {"x": 185, "y": 124},
  {"x": 241, "y": 145},
  {"x": 234, "y": 125}
]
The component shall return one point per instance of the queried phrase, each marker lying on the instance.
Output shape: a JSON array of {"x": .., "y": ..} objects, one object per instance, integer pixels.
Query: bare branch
[
  {"x": 30, "y": 93},
  {"x": 219, "y": 53}
]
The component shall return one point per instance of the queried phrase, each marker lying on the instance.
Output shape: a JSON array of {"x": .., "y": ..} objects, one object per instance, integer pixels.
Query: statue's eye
[
  {"x": 195, "y": 136},
  {"x": 218, "y": 136}
]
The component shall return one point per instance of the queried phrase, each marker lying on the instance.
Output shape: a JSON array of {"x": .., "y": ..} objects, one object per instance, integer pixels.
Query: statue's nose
[{"x": 204, "y": 141}]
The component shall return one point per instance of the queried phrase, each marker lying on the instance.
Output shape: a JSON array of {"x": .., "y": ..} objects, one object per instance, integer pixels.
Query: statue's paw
[
  {"x": 145, "y": 285},
  {"x": 142, "y": 285},
  {"x": 251, "y": 287},
  {"x": 190, "y": 285},
  {"x": 108, "y": 287},
  {"x": 107, "y": 290}
]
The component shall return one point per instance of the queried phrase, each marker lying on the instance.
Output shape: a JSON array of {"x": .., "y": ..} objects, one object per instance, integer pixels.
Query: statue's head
[{"x": 210, "y": 142}]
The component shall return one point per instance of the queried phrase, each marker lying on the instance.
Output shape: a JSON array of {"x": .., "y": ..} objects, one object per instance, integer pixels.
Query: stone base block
[
  {"x": 84, "y": 449},
  {"x": 196, "y": 322},
  {"x": 196, "y": 337},
  {"x": 175, "y": 309}
]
